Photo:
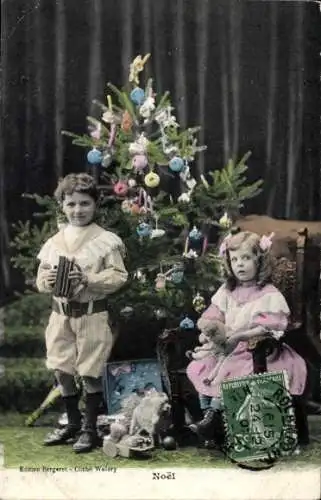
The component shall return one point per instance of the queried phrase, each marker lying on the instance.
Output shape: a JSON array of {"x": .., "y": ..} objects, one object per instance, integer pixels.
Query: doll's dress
[{"x": 244, "y": 308}]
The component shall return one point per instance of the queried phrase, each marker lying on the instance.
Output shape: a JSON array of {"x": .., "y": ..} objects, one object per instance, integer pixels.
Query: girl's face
[
  {"x": 244, "y": 264},
  {"x": 79, "y": 208}
]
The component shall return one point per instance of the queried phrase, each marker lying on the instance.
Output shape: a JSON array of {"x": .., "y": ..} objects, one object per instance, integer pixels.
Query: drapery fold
[{"x": 247, "y": 72}]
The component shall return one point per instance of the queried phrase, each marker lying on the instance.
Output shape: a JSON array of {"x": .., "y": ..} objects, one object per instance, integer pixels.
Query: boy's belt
[{"x": 78, "y": 309}]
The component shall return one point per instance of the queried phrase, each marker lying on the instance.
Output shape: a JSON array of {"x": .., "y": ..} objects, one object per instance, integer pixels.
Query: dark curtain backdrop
[{"x": 248, "y": 72}]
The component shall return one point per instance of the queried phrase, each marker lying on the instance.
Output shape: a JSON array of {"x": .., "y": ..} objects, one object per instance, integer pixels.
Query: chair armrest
[{"x": 264, "y": 344}]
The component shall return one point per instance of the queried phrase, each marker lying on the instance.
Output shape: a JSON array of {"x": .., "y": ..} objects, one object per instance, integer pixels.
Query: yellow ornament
[{"x": 152, "y": 180}]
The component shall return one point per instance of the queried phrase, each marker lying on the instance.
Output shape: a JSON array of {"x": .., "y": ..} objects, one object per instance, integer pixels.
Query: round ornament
[
  {"x": 199, "y": 303},
  {"x": 195, "y": 234},
  {"x": 160, "y": 281},
  {"x": 121, "y": 188},
  {"x": 126, "y": 206},
  {"x": 143, "y": 229},
  {"x": 106, "y": 159},
  {"x": 94, "y": 156},
  {"x": 176, "y": 164},
  {"x": 177, "y": 276},
  {"x": 137, "y": 95},
  {"x": 169, "y": 443},
  {"x": 140, "y": 162},
  {"x": 152, "y": 180},
  {"x": 187, "y": 324}
]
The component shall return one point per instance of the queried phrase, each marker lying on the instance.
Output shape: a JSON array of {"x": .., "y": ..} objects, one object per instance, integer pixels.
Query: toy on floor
[{"x": 140, "y": 420}]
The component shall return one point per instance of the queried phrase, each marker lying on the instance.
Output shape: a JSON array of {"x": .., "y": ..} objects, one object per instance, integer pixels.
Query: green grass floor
[{"x": 23, "y": 448}]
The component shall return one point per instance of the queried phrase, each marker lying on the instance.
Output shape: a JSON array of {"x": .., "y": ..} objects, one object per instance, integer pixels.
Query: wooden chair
[{"x": 297, "y": 277}]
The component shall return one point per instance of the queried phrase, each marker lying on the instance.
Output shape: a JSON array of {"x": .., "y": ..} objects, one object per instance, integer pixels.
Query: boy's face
[
  {"x": 79, "y": 208},
  {"x": 244, "y": 264}
]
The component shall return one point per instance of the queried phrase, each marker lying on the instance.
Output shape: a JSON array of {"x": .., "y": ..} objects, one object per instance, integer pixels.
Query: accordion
[{"x": 62, "y": 286}]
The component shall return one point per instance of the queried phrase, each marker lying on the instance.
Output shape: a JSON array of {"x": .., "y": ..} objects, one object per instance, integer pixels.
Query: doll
[
  {"x": 79, "y": 335},
  {"x": 250, "y": 308},
  {"x": 211, "y": 351}
]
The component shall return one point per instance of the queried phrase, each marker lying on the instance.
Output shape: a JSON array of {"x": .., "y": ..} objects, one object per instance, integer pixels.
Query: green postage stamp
[{"x": 259, "y": 417}]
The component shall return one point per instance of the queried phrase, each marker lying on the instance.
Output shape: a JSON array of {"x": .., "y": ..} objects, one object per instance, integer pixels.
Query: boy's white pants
[{"x": 79, "y": 345}]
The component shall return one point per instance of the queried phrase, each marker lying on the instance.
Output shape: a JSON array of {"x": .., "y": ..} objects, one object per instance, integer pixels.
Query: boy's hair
[
  {"x": 252, "y": 242},
  {"x": 76, "y": 183}
]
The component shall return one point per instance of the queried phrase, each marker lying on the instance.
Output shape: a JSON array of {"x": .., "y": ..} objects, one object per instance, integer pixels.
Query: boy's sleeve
[
  {"x": 43, "y": 268},
  {"x": 113, "y": 274}
]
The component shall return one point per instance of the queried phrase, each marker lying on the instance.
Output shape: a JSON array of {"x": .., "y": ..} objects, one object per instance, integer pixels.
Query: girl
[
  {"x": 250, "y": 308},
  {"x": 79, "y": 338}
]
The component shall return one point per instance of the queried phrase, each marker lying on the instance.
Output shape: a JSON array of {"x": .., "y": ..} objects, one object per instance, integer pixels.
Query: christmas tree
[{"x": 169, "y": 221}]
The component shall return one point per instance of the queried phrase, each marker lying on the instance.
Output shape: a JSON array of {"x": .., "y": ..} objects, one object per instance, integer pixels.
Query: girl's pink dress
[{"x": 243, "y": 308}]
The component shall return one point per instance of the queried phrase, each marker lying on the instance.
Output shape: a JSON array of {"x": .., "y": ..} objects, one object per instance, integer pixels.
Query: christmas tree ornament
[
  {"x": 176, "y": 164},
  {"x": 140, "y": 276},
  {"x": 160, "y": 281},
  {"x": 132, "y": 183},
  {"x": 225, "y": 221},
  {"x": 94, "y": 156},
  {"x": 137, "y": 95},
  {"x": 137, "y": 67},
  {"x": 140, "y": 162},
  {"x": 156, "y": 233},
  {"x": 195, "y": 234},
  {"x": 199, "y": 303},
  {"x": 177, "y": 275},
  {"x": 147, "y": 107},
  {"x": 120, "y": 188},
  {"x": 143, "y": 229},
  {"x": 106, "y": 159},
  {"x": 96, "y": 133},
  {"x": 135, "y": 209},
  {"x": 152, "y": 180},
  {"x": 127, "y": 122},
  {"x": 127, "y": 312},
  {"x": 187, "y": 324},
  {"x": 184, "y": 198},
  {"x": 126, "y": 206}
]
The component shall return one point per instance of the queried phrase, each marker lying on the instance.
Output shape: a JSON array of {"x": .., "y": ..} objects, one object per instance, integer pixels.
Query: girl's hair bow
[{"x": 266, "y": 242}]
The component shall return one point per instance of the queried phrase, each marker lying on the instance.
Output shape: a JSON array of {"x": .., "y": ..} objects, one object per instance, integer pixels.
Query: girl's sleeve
[
  {"x": 273, "y": 313},
  {"x": 217, "y": 309}
]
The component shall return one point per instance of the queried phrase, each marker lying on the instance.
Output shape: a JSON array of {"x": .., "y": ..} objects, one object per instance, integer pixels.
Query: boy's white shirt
[{"x": 98, "y": 252}]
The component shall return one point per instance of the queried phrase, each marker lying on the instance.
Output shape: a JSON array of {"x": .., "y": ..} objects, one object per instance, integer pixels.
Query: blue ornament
[
  {"x": 137, "y": 95},
  {"x": 176, "y": 164},
  {"x": 143, "y": 229},
  {"x": 195, "y": 234},
  {"x": 94, "y": 156},
  {"x": 187, "y": 324},
  {"x": 177, "y": 276}
]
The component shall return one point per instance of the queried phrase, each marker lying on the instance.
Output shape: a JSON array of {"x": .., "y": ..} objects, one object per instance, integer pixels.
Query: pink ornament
[
  {"x": 140, "y": 162},
  {"x": 120, "y": 188}
]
